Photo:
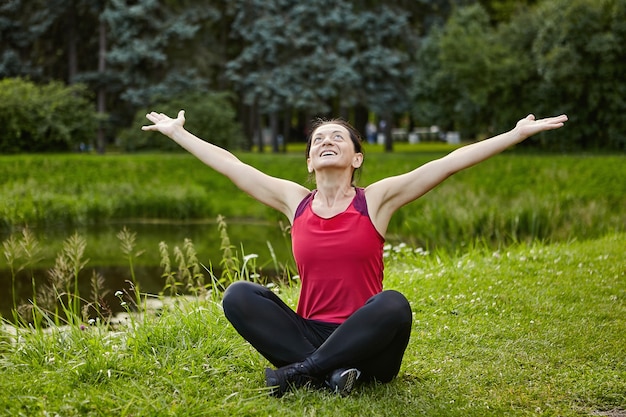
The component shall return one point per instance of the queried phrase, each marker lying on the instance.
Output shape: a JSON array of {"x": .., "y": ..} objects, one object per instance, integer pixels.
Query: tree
[
  {"x": 205, "y": 112},
  {"x": 48, "y": 40},
  {"x": 563, "y": 56},
  {"x": 129, "y": 53},
  {"x": 43, "y": 118},
  {"x": 464, "y": 67},
  {"x": 140, "y": 56},
  {"x": 22, "y": 30},
  {"x": 298, "y": 58},
  {"x": 579, "y": 52},
  {"x": 142, "y": 38}
]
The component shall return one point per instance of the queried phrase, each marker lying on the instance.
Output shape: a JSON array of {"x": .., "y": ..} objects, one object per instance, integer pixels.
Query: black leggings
[{"x": 372, "y": 340}]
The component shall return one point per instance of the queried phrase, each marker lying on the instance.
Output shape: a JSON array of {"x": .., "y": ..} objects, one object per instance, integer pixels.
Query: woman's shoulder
[{"x": 306, "y": 201}]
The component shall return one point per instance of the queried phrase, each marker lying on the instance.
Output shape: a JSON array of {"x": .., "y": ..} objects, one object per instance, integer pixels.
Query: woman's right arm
[{"x": 283, "y": 195}]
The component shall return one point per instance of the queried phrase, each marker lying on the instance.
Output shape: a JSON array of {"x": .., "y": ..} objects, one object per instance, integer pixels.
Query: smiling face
[{"x": 334, "y": 144}]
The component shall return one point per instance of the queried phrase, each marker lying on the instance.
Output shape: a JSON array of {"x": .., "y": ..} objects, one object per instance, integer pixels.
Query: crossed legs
[{"x": 372, "y": 340}]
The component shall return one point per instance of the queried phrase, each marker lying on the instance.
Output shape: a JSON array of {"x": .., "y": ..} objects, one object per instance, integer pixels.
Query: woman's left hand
[{"x": 529, "y": 126}]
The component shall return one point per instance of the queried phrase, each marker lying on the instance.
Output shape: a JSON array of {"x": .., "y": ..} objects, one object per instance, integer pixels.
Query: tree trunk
[
  {"x": 360, "y": 120},
  {"x": 344, "y": 113},
  {"x": 258, "y": 128},
  {"x": 274, "y": 130},
  {"x": 388, "y": 118},
  {"x": 246, "y": 119},
  {"x": 286, "y": 129},
  {"x": 72, "y": 64},
  {"x": 101, "y": 106},
  {"x": 303, "y": 126}
]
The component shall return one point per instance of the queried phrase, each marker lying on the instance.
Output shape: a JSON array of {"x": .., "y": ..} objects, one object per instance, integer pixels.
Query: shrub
[
  {"x": 42, "y": 118},
  {"x": 209, "y": 115}
]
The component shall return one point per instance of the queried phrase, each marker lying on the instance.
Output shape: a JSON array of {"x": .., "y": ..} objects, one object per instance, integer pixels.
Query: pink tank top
[{"x": 340, "y": 260}]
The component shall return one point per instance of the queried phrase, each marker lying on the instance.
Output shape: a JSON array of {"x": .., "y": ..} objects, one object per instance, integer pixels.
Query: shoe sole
[
  {"x": 271, "y": 382},
  {"x": 346, "y": 381}
]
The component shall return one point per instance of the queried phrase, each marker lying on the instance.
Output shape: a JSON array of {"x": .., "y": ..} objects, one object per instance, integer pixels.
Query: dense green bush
[
  {"x": 209, "y": 115},
  {"x": 41, "y": 118}
]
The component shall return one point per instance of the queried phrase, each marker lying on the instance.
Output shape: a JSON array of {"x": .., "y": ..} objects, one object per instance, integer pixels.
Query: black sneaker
[
  {"x": 341, "y": 381},
  {"x": 286, "y": 378}
]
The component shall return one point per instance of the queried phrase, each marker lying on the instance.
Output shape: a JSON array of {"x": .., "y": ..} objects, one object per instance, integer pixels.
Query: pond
[{"x": 104, "y": 254}]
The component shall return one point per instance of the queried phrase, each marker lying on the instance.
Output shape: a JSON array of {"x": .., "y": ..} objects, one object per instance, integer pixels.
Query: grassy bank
[
  {"x": 507, "y": 199},
  {"x": 528, "y": 330}
]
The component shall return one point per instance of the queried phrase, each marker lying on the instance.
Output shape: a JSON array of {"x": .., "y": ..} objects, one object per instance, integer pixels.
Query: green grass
[
  {"x": 530, "y": 329},
  {"x": 510, "y": 198},
  {"x": 518, "y": 308}
]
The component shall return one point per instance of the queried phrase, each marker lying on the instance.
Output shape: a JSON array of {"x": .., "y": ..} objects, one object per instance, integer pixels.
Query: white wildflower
[{"x": 250, "y": 256}]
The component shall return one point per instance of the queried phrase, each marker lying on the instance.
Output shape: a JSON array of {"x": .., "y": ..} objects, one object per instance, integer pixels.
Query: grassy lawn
[
  {"x": 534, "y": 329},
  {"x": 519, "y": 299}
]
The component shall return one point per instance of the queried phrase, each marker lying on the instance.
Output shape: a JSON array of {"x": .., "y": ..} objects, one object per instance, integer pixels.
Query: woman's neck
[
  {"x": 329, "y": 195},
  {"x": 332, "y": 198}
]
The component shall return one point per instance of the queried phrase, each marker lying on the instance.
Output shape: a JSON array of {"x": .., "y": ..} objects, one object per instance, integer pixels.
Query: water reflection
[{"x": 105, "y": 256}]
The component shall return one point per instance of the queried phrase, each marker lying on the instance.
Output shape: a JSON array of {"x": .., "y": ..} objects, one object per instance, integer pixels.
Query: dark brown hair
[{"x": 355, "y": 137}]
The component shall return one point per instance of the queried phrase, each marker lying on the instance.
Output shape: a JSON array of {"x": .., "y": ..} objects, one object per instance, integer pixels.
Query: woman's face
[{"x": 332, "y": 146}]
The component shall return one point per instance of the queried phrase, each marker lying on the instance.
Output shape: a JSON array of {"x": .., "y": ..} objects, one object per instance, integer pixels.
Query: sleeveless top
[{"x": 339, "y": 259}]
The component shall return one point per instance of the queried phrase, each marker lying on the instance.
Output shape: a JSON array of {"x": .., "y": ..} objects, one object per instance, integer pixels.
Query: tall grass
[
  {"x": 507, "y": 199},
  {"x": 520, "y": 198}
]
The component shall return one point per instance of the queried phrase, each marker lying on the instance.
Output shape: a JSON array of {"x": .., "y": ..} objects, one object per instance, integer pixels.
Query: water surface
[{"x": 104, "y": 254}]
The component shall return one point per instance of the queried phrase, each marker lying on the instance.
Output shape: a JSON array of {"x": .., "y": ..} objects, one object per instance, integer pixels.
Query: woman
[{"x": 345, "y": 326}]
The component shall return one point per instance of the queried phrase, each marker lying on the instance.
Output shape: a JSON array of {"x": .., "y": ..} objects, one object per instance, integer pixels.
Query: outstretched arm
[
  {"x": 277, "y": 193},
  {"x": 388, "y": 195}
]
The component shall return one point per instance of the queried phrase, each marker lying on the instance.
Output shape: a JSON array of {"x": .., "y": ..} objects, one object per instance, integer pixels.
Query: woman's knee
[
  {"x": 394, "y": 304},
  {"x": 238, "y": 294}
]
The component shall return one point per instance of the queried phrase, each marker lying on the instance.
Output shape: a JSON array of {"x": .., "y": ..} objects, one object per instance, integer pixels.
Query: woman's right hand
[{"x": 165, "y": 124}]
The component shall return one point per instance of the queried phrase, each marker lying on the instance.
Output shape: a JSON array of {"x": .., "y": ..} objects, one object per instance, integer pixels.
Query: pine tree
[{"x": 296, "y": 56}]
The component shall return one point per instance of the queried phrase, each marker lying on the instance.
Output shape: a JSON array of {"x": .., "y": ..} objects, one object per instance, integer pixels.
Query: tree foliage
[
  {"x": 580, "y": 55},
  {"x": 20, "y": 32},
  {"x": 142, "y": 57},
  {"x": 210, "y": 113},
  {"x": 470, "y": 65},
  {"x": 296, "y": 56},
  {"x": 43, "y": 118},
  {"x": 562, "y": 56}
]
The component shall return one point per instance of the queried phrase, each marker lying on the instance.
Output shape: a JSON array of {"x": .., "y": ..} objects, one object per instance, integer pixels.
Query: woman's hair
[{"x": 355, "y": 137}]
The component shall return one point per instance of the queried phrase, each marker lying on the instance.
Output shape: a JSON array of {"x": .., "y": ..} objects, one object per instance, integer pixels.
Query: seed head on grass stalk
[
  {"x": 47, "y": 301},
  {"x": 188, "y": 274},
  {"x": 286, "y": 271},
  {"x": 183, "y": 271},
  {"x": 127, "y": 241},
  {"x": 60, "y": 276},
  {"x": 74, "y": 249},
  {"x": 170, "y": 276},
  {"x": 195, "y": 282},
  {"x": 67, "y": 267},
  {"x": 27, "y": 250},
  {"x": 98, "y": 292},
  {"x": 12, "y": 252},
  {"x": 229, "y": 262}
]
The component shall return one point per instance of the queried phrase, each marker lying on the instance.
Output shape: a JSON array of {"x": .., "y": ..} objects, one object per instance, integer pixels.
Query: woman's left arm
[{"x": 388, "y": 195}]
